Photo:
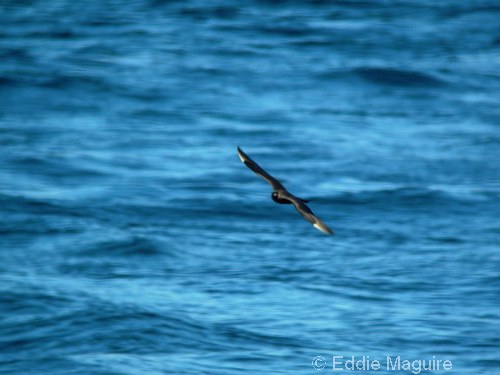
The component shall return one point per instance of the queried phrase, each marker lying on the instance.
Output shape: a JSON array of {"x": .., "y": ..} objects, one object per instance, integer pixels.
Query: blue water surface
[{"x": 134, "y": 241}]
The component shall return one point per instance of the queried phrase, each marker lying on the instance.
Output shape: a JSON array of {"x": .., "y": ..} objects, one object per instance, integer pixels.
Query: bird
[{"x": 282, "y": 196}]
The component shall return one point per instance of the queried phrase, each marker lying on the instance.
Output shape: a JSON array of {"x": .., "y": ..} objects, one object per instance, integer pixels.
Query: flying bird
[{"x": 282, "y": 196}]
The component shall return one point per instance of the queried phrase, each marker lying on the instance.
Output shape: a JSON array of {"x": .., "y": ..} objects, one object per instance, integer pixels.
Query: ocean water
[{"x": 134, "y": 241}]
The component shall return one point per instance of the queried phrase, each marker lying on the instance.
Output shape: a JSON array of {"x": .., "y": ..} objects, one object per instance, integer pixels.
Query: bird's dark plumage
[{"x": 282, "y": 196}]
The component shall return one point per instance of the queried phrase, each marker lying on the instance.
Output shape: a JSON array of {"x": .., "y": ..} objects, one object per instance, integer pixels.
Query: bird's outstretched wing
[
  {"x": 306, "y": 212},
  {"x": 259, "y": 171}
]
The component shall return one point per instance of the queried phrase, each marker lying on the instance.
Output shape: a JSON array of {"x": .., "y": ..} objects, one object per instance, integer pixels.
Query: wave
[
  {"x": 397, "y": 77},
  {"x": 402, "y": 195},
  {"x": 132, "y": 246}
]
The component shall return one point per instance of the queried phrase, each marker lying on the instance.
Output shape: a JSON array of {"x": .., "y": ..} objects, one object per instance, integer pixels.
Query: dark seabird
[{"x": 282, "y": 196}]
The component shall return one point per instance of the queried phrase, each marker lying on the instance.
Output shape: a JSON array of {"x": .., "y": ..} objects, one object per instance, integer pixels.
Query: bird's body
[
  {"x": 276, "y": 197},
  {"x": 282, "y": 196}
]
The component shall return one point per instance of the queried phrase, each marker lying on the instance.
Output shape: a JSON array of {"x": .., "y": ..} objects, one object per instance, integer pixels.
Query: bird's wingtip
[
  {"x": 241, "y": 154},
  {"x": 323, "y": 228}
]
